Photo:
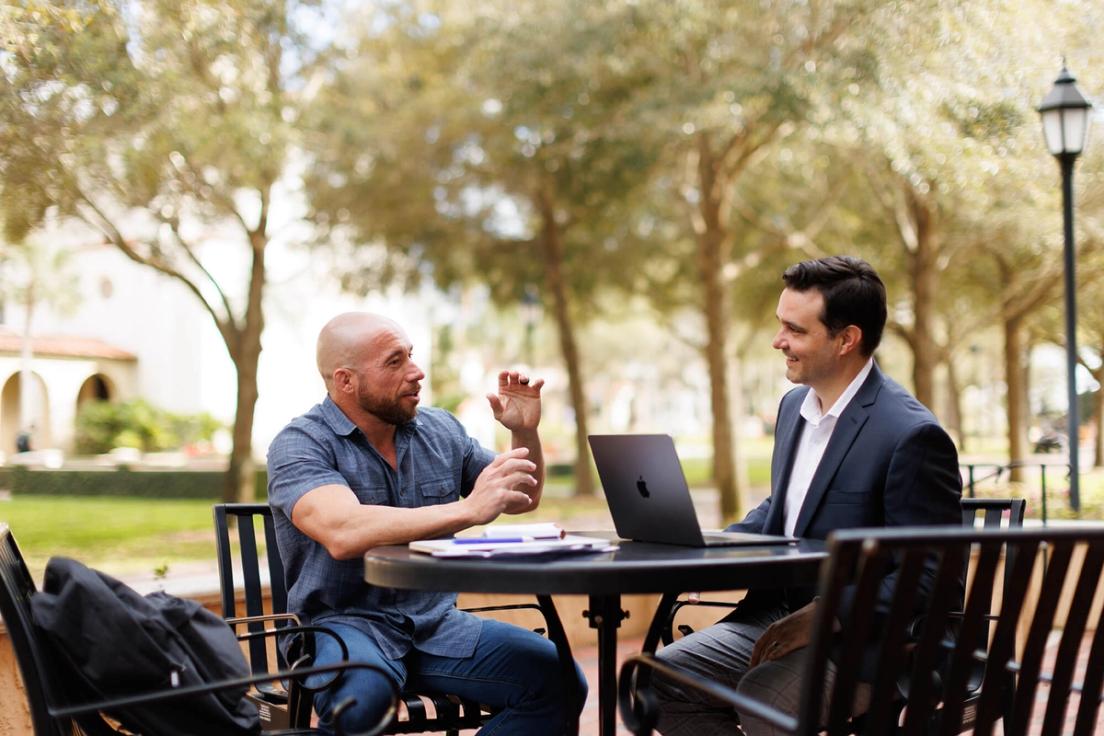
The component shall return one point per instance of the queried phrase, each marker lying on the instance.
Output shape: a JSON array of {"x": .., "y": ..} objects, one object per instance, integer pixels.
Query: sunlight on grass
[{"x": 129, "y": 532}]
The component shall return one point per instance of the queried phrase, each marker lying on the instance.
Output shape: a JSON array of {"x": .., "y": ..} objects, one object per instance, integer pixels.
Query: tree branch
[
  {"x": 115, "y": 237},
  {"x": 174, "y": 225}
]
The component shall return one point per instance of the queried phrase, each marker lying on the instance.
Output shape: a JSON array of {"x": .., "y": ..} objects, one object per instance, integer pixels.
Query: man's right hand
[{"x": 494, "y": 491}]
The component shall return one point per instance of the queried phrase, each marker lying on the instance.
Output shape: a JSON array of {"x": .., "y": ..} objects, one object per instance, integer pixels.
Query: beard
[{"x": 387, "y": 410}]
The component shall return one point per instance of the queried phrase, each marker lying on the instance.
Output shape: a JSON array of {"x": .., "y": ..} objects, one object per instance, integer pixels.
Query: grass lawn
[
  {"x": 119, "y": 535},
  {"x": 128, "y": 536}
]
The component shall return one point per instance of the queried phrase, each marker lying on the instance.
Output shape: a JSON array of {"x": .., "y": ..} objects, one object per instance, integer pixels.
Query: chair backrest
[
  {"x": 995, "y": 512},
  {"x": 17, "y": 586},
  {"x": 246, "y": 516},
  {"x": 937, "y": 666},
  {"x": 16, "y": 589}
]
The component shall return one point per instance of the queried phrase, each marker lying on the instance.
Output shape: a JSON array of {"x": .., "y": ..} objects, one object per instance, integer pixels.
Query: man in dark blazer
[{"x": 852, "y": 449}]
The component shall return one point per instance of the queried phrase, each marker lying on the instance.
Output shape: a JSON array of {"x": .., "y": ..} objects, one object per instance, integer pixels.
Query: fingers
[
  {"x": 518, "y": 501},
  {"x": 514, "y": 454},
  {"x": 757, "y": 652},
  {"x": 496, "y": 405},
  {"x": 510, "y": 469},
  {"x": 517, "y": 380}
]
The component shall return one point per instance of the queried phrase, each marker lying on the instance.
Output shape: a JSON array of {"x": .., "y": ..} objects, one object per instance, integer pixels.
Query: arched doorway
[
  {"x": 11, "y": 413},
  {"x": 96, "y": 387}
]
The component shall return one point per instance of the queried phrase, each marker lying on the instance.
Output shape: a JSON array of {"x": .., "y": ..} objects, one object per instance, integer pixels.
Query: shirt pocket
[
  {"x": 438, "y": 489},
  {"x": 371, "y": 494}
]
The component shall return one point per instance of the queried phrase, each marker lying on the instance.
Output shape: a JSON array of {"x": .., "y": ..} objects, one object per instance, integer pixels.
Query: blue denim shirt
[{"x": 437, "y": 462}]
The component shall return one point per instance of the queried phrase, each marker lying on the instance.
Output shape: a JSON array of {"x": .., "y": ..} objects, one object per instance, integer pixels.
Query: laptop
[{"x": 648, "y": 496}]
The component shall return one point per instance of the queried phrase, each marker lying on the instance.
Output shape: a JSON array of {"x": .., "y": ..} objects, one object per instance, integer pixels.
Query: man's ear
[
  {"x": 343, "y": 380},
  {"x": 850, "y": 339}
]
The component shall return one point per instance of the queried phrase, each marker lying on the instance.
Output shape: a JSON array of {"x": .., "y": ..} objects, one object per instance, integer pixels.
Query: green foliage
[{"x": 102, "y": 426}]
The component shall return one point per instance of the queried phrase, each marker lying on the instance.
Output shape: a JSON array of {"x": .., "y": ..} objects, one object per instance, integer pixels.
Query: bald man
[{"x": 368, "y": 467}]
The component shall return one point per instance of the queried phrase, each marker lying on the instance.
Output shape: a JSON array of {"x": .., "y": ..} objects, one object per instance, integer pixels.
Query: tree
[
  {"x": 725, "y": 85},
  {"x": 483, "y": 145},
  {"x": 36, "y": 274},
  {"x": 164, "y": 126}
]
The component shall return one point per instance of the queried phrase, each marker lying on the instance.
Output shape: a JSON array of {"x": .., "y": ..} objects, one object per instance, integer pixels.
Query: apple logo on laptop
[{"x": 642, "y": 487}]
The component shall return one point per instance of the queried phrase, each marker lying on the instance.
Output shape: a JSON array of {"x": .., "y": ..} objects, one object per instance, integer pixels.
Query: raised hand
[{"x": 517, "y": 406}]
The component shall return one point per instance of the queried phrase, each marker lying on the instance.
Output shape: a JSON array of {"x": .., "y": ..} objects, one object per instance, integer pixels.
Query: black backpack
[{"x": 122, "y": 643}]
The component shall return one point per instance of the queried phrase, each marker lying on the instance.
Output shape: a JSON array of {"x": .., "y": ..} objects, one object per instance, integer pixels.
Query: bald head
[{"x": 347, "y": 338}]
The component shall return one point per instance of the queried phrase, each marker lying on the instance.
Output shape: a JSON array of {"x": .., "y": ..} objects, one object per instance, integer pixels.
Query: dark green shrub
[{"x": 125, "y": 482}]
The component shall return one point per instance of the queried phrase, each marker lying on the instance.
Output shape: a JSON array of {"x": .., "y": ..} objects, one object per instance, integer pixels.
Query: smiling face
[{"x": 814, "y": 357}]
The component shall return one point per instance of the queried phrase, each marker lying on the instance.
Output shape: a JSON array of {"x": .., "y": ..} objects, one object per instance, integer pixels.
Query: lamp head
[{"x": 1066, "y": 115}]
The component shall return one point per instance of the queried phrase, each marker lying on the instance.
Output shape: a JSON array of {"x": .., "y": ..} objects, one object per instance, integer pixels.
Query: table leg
[
  {"x": 567, "y": 662},
  {"x": 659, "y": 622},
  {"x": 605, "y": 616}
]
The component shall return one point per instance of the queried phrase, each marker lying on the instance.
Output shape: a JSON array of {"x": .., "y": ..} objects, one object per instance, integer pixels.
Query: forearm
[
  {"x": 347, "y": 529},
  {"x": 530, "y": 439}
]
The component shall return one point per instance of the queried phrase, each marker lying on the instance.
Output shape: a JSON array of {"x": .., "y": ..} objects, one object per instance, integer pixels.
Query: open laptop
[{"x": 648, "y": 496}]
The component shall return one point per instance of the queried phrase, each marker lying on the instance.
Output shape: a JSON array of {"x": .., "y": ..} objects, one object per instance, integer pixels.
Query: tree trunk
[
  {"x": 711, "y": 260},
  {"x": 954, "y": 405},
  {"x": 246, "y": 354},
  {"x": 557, "y": 288},
  {"x": 1098, "y": 443},
  {"x": 923, "y": 274},
  {"x": 1014, "y": 398}
]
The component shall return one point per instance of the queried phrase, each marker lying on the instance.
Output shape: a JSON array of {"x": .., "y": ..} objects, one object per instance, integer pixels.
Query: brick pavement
[{"x": 588, "y": 660}]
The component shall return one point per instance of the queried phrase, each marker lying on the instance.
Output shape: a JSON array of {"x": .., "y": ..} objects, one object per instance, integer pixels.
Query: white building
[{"x": 137, "y": 333}]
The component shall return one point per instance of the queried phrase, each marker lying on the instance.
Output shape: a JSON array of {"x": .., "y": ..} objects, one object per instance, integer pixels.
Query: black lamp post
[{"x": 1066, "y": 113}]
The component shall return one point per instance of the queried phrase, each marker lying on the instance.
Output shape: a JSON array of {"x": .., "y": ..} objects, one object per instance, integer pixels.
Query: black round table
[{"x": 635, "y": 567}]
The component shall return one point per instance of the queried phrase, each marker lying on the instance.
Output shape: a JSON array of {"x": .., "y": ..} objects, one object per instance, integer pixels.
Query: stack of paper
[
  {"x": 510, "y": 546},
  {"x": 545, "y": 530}
]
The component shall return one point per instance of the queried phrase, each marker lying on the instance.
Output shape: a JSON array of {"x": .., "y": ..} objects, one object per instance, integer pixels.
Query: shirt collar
[
  {"x": 343, "y": 426},
  {"x": 339, "y": 423},
  {"x": 810, "y": 407}
]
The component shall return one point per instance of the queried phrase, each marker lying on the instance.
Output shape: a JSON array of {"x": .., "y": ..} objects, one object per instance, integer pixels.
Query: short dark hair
[{"x": 853, "y": 295}]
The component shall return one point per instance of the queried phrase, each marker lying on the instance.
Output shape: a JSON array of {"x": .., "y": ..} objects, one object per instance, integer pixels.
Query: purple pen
[{"x": 489, "y": 540}]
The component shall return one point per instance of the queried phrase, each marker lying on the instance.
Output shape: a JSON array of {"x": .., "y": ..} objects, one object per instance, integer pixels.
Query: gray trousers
[{"x": 721, "y": 653}]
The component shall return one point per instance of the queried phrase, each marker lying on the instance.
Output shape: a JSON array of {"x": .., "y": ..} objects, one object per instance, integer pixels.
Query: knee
[
  {"x": 554, "y": 684},
  {"x": 772, "y": 684},
  {"x": 663, "y": 689},
  {"x": 358, "y": 703}
]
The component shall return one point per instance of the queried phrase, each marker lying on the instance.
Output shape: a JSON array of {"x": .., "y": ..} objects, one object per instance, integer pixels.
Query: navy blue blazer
[{"x": 888, "y": 463}]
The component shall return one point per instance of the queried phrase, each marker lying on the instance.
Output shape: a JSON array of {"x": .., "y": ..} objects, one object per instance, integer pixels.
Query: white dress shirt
[{"x": 810, "y": 447}]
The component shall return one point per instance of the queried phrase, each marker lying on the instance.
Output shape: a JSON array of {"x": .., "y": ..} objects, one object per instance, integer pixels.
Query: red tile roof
[{"x": 63, "y": 346}]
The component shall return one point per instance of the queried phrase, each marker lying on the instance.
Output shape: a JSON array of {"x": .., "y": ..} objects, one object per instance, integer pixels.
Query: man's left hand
[
  {"x": 517, "y": 406},
  {"x": 784, "y": 636}
]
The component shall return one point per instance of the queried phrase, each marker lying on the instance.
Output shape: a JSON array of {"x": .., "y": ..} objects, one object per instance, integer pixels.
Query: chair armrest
[
  {"x": 239, "y": 683},
  {"x": 668, "y": 631},
  {"x": 513, "y": 607},
  {"x": 238, "y": 620},
  {"x": 640, "y": 712},
  {"x": 297, "y": 630}
]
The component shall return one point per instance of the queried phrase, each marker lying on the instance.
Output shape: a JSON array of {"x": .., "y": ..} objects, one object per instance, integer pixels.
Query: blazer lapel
[
  {"x": 843, "y": 436},
  {"x": 790, "y": 425}
]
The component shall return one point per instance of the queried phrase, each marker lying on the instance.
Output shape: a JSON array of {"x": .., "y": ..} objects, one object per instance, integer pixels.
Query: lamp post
[{"x": 1065, "y": 113}]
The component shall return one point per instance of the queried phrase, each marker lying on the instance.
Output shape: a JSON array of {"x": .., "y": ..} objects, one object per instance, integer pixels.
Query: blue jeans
[{"x": 513, "y": 670}]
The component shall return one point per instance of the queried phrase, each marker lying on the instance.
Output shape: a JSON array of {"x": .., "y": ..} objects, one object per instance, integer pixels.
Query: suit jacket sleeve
[
  {"x": 755, "y": 521},
  {"x": 923, "y": 487}
]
